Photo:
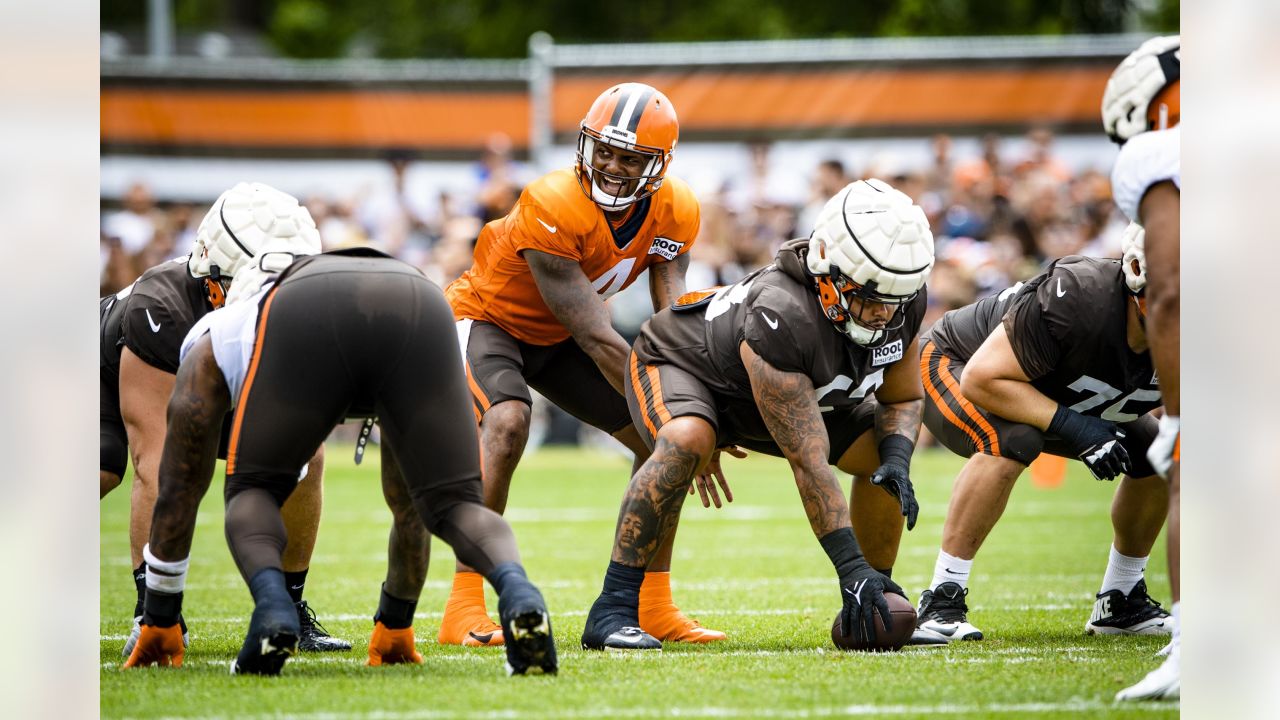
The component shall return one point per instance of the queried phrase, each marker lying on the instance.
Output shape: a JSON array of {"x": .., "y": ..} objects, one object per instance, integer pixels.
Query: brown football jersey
[
  {"x": 1068, "y": 330},
  {"x": 776, "y": 311}
]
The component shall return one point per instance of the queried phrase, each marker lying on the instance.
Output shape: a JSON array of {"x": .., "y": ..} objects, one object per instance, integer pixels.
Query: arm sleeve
[
  {"x": 1039, "y": 323},
  {"x": 152, "y": 333}
]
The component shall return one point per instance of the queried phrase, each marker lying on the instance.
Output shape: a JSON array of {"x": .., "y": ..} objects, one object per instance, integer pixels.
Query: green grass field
[{"x": 752, "y": 569}]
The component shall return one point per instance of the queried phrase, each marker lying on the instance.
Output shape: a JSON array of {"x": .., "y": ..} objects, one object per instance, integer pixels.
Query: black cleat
[
  {"x": 616, "y": 629},
  {"x": 526, "y": 627},
  {"x": 1115, "y": 613},
  {"x": 943, "y": 610},
  {"x": 313, "y": 636},
  {"x": 272, "y": 639}
]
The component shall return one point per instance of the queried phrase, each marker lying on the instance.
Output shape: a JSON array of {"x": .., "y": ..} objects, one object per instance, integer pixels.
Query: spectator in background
[
  {"x": 396, "y": 219},
  {"x": 130, "y": 232},
  {"x": 828, "y": 179},
  {"x": 499, "y": 180}
]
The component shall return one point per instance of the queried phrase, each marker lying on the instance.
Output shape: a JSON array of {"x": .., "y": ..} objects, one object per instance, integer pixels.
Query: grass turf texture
[{"x": 753, "y": 570}]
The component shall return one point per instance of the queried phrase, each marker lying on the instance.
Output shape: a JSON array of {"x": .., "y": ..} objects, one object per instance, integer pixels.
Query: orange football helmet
[{"x": 634, "y": 117}]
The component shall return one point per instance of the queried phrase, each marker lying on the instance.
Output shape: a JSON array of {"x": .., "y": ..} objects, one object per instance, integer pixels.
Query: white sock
[
  {"x": 950, "y": 569},
  {"x": 1123, "y": 572}
]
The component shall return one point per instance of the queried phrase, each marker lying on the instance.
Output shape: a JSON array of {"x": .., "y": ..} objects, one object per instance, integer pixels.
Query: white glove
[{"x": 1160, "y": 454}]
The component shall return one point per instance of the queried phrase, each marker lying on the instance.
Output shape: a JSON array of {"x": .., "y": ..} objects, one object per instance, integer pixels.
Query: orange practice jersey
[{"x": 554, "y": 216}]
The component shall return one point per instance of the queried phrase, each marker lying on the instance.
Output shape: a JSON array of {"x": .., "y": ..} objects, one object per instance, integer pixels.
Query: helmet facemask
[
  {"x": 644, "y": 184},
  {"x": 849, "y": 305}
]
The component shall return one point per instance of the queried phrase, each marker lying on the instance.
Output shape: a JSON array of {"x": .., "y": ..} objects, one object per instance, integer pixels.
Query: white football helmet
[
  {"x": 242, "y": 221},
  {"x": 1134, "y": 258},
  {"x": 1142, "y": 93},
  {"x": 872, "y": 244}
]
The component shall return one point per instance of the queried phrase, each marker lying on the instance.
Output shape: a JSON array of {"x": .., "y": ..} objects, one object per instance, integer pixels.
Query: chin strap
[{"x": 217, "y": 296}]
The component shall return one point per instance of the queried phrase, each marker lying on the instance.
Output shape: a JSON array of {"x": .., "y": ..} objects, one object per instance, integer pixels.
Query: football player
[
  {"x": 531, "y": 314},
  {"x": 366, "y": 328},
  {"x": 1140, "y": 110},
  {"x": 785, "y": 362},
  {"x": 1058, "y": 364},
  {"x": 142, "y": 328}
]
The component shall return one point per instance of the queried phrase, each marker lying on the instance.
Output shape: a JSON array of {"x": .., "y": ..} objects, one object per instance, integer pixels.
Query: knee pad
[
  {"x": 279, "y": 485},
  {"x": 437, "y": 502},
  {"x": 1023, "y": 443}
]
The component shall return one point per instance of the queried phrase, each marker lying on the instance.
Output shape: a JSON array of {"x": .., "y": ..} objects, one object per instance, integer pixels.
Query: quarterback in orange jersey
[{"x": 530, "y": 313}]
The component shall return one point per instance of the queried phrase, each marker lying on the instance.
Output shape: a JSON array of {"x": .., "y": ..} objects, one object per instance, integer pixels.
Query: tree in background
[{"x": 501, "y": 28}]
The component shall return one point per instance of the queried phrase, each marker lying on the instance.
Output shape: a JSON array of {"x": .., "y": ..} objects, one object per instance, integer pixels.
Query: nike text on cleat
[
  {"x": 313, "y": 637},
  {"x": 1115, "y": 613},
  {"x": 943, "y": 611},
  {"x": 137, "y": 629}
]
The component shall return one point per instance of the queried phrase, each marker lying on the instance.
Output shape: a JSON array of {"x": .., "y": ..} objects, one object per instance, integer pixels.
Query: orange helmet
[{"x": 633, "y": 117}]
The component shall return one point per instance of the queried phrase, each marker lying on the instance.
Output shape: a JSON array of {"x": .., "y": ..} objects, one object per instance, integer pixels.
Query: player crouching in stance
[
  {"x": 336, "y": 335},
  {"x": 782, "y": 363},
  {"x": 1058, "y": 364}
]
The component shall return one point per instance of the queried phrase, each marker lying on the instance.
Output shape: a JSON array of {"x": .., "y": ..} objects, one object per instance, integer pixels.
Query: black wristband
[
  {"x": 393, "y": 612},
  {"x": 842, "y": 547},
  {"x": 897, "y": 450},
  {"x": 161, "y": 609},
  {"x": 1070, "y": 426}
]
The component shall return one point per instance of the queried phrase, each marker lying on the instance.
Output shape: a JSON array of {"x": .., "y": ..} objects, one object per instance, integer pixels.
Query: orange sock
[
  {"x": 466, "y": 620},
  {"x": 660, "y": 617}
]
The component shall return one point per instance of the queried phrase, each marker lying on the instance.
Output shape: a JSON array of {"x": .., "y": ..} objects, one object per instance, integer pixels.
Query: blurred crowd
[{"x": 997, "y": 218}]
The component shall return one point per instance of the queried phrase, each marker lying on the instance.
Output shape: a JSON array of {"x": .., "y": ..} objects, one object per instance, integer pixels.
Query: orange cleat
[
  {"x": 660, "y": 617},
  {"x": 392, "y": 647},
  {"x": 466, "y": 620},
  {"x": 157, "y": 646}
]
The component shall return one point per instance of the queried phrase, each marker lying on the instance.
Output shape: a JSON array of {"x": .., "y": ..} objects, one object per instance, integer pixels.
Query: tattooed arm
[
  {"x": 901, "y": 398},
  {"x": 569, "y": 295},
  {"x": 897, "y": 425},
  {"x": 666, "y": 281},
  {"x": 200, "y": 402},
  {"x": 789, "y": 406}
]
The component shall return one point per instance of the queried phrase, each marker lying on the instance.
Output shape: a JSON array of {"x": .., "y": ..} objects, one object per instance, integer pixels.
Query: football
[{"x": 903, "y": 616}]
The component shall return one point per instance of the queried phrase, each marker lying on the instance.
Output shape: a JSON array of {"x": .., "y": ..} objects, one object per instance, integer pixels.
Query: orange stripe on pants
[
  {"x": 234, "y": 444},
  {"x": 635, "y": 385},
  {"x": 655, "y": 382},
  {"x": 967, "y": 406},
  {"x": 934, "y": 393}
]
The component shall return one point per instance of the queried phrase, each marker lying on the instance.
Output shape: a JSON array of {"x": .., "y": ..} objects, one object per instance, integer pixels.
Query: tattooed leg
[{"x": 651, "y": 506}]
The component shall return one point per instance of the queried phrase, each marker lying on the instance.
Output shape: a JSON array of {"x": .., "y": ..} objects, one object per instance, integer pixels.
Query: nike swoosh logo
[
  {"x": 482, "y": 639},
  {"x": 155, "y": 326},
  {"x": 949, "y": 570},
  {"x": 550, "y": 228},
  {"x": 772, "y": 323},
  {"x": 1061, "y": 292},
  {"x": 630, "y": 636}
]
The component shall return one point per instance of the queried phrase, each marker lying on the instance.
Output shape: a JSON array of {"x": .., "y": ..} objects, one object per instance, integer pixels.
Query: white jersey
[
  {"x": 1145, "y": 160},
  {"x": 232, "y": 329}
]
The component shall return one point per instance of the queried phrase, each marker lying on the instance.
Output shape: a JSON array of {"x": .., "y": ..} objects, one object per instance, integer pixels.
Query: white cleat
[{"x": 1163, "y": 683}]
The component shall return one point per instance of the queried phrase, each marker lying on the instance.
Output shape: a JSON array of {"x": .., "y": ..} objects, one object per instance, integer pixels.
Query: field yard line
[{"x": 1073, "y": 706}]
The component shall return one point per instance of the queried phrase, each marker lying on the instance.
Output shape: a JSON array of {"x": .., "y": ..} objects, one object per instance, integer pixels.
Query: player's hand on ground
[
  {"x": 863, "y": 595},
  {"x": 712, "y": 475},
  {"x": 896, "y": 480},
  {"x": 157, "y": 646},
  {"x": 392, "y": 647}
]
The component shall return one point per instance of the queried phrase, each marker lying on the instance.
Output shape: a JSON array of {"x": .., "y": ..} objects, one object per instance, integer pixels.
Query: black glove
[
  {"x": 863, "y": 594},
  {"x": 1096, "y": 442},
  {"x": 862, "y": 589},
  {"x": 894, "y": 475}
]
